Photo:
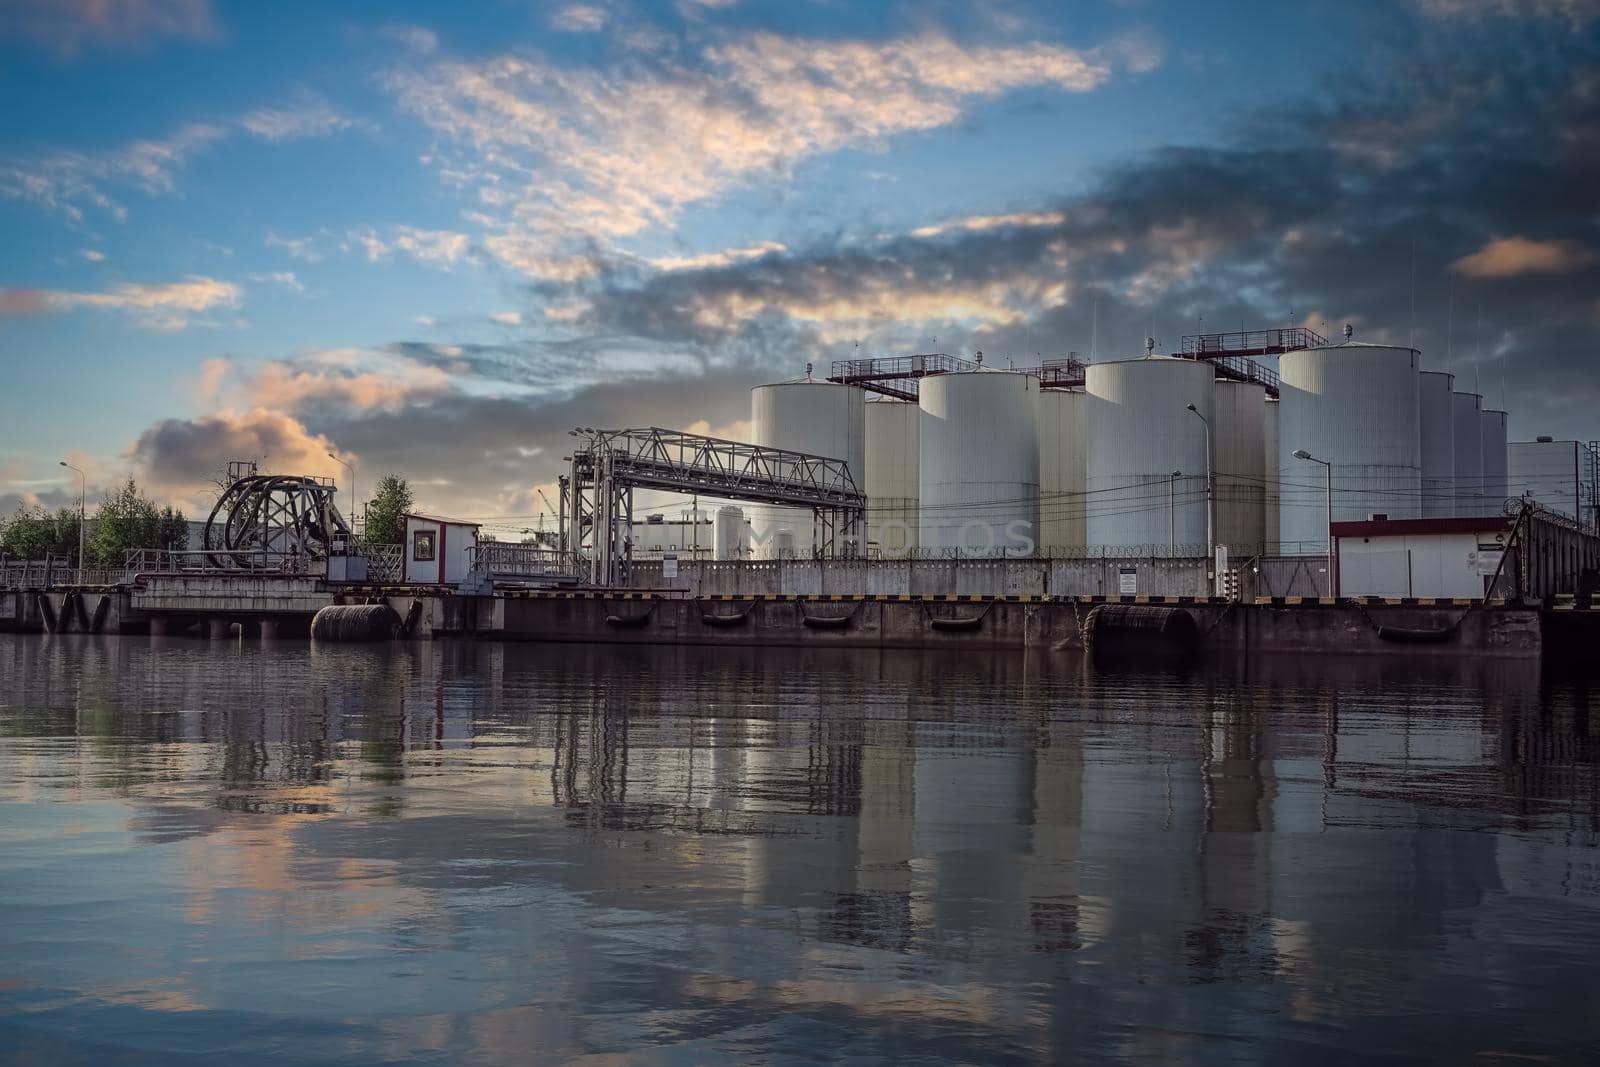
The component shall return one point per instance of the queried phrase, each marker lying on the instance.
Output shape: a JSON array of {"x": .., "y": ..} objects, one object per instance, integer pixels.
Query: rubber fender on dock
[
  {"x": 971, "y": 622},
  {"x": 1404, "y": 635},
  {"x": 355, "y": 622},
  {"x": 827, "y": 622},
  {"x": 1172, "y": 626}
]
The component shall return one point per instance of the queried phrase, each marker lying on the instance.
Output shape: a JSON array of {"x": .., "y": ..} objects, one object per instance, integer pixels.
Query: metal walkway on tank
[{"x": 1232, "y": 357}]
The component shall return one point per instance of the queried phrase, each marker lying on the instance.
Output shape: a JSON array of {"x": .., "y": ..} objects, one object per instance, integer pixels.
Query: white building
[
  {"x": 438, "y": 551},
  {"x": 1454, "y": 557}
]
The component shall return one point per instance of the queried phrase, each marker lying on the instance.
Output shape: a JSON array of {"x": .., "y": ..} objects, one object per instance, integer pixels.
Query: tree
[
  {"x": 386, "y": 511},
  {"x": 34, "y": 533},
  {"x": 126, "y": 519},
  {"x": 174, "y": 530}
]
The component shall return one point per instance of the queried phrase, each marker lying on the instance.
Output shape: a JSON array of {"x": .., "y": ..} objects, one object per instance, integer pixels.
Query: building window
[{"x": 422, "y": 546}]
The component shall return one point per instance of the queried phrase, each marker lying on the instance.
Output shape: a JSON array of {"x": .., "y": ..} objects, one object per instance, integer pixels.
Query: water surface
[{"x": 449, "y": 852}]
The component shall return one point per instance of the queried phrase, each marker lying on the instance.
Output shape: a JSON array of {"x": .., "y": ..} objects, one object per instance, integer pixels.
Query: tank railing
[
  {"x": 1251, "y": 342},
  {"x": 1243, "y": 369}
]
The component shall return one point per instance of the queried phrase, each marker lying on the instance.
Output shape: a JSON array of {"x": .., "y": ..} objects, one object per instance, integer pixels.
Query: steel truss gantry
[{"x": 596, "y": 503}]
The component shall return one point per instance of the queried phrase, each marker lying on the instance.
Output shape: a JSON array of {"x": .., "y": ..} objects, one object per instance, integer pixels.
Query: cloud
[
  {"x": 183, "y": 456},
  {"x": 69, "y": 181},
  {"x": 418, "y": 39},
  {"x": 990, "y": 222},
  {"x": 284, "y": 278},
  {"x": 507, "y": 318},
  {"x": 93, "y": 255},
  {"x": 718, "y": 259},
  {"x": 308, "y": 116},
  {"x": 557, "y": 152},
  {"x": 1508, "y": 257},
  {"x": 579, "y": 18},
  {"x": 436, "y": 248},
  {"x": 302, "y": 248},
  {"x": 70, "y": 27},
  {"x": 165, "y": 306}
]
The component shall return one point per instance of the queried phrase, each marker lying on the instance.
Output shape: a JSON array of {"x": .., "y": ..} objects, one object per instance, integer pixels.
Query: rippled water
[{"x": 225, "y": 853}]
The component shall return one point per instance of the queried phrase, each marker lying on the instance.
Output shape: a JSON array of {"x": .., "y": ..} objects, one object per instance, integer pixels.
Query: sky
[{"x": 431, "y": 239}]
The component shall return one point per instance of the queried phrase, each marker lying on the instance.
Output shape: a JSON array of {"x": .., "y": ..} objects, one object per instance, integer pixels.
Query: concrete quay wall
[{"x": 976, "y": 622}]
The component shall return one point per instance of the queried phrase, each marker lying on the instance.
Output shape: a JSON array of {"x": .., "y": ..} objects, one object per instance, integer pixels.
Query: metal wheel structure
[{"x": 262, "y": 520}]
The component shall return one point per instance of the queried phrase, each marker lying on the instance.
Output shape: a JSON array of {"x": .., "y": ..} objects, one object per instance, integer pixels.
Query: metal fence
[{"x": 498, "y": 559}]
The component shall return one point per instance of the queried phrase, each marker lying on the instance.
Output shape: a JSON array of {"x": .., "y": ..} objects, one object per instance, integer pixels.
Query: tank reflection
[{"x": 959, "y": 856}]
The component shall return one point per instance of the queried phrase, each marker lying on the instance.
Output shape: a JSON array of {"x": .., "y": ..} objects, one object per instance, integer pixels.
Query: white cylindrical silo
[
  {"x": 732, "y": 534},
  {"x": 1269, "y": 471},
  {"x": 1354, "y": 406},
  {"x": 821, "y": 418},
  {"x": 1496, "y": 467},
  {"x": 1061, "y": 472},
  {"x": 1437, "y": 423},
  {"x": 893, "y": 446},
  {"x": 1238, "y": 462},
  {"x": 979, "y": 472},
  {"x": 1140, "y": 434},
  {"x": 1468, "y": 472}
]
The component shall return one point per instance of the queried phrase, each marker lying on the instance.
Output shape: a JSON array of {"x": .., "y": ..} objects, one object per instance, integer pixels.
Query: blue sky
[{"x": 431, "y": 237}]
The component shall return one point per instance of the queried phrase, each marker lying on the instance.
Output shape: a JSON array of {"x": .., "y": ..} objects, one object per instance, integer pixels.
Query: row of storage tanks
[{"x": 986, "y": 461}]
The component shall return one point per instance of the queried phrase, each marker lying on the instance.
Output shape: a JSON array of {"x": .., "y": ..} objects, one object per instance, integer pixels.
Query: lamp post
[
  {"x": 1172, "y": 518},
  {"x": 1333, "y": 561},
  {"x": 1211, "y": 510},
  {"x": 351, "y": 468},
  {"x": 83, "y": 491}
]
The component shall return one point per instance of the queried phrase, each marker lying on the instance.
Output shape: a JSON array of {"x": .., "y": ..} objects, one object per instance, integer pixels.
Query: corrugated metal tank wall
[
  {"x": 1436, "y": 411},
  {"x": 1061, "y": 472},
  {"x": 1552, "y": 472},
  {"x": 821, "y": 418},
  {"x": 1138, "y": 434},
  {"x": 979, "y": 471},
  {"x": 893, "y": 451},
  {"x": 1353, "y": 405},
  {"x": 1495, "y": 463},
  {"x": 1269, "y": 471},
  {"x": 1239, "y": 465},
  {"x": 1468, "y": 473}
]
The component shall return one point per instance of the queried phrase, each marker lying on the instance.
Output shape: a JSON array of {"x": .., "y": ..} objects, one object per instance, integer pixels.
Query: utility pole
[
  {"x": 1333, "y": 560},
  {"x": 351, "y": 468},
  {"x": 83, "y": 492}
]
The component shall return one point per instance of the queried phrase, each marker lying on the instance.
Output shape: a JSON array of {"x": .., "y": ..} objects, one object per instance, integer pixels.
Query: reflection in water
[{"x": 455, "y": 850}]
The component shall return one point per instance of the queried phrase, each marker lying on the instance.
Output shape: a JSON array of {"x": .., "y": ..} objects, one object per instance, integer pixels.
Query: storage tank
[
  {"x": 1469, "y": 453},
  {"x": 1352, "y": 405},
  {"x": 893, "y": 446},
  {"x": 822, "y": 418},
  {"x": 978, "y": 484},
  {"x": 1552, "y": 472},
  {"x": 1061, "y": 472},
  {"x": 1139, "y": 434},
  {"x": 1269, "y": 470},
  {"x": 1495, "y": 465},
  {"x": 1239, "y": 465},
  {"x": 732, "y": 534},
  {"x": 1437, "y": 425}
]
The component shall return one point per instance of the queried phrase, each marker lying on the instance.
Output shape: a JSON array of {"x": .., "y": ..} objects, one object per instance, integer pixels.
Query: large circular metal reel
[{"x": 266, "y": 520}]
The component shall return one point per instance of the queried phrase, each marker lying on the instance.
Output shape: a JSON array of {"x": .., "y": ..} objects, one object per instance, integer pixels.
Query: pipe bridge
[{"x": 596, "y": 506}]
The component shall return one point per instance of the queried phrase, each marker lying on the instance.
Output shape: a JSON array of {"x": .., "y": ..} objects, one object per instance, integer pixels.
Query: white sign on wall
[
  {"x": 669, "y": 566},
  {"x": 1127, "y": 581}
]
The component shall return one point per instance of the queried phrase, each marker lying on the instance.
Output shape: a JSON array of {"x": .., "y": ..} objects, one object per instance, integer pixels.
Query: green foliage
[
  {"x": 386, "y": 523},
  {"x": 34, "y": 533},
  {"x": 127, "y": 519}
]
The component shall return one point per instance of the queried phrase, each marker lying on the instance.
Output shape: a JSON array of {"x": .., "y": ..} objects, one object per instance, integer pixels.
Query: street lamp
[
  {"x": 1211, "y": 510},
  {"x": 1172, "y": 519},
  {"x": 1333, "y": 562},
  {"x": 83, "y": 490},
  {"x": 351, "y": 468}
]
